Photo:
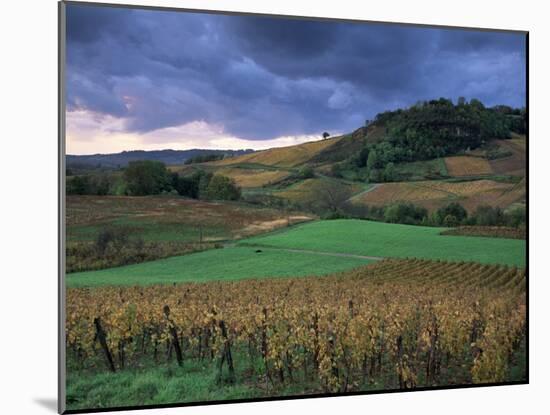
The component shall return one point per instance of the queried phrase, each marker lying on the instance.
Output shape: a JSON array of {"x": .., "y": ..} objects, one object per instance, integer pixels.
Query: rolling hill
[
  {"x": 117, "y": 160},
  {"x": 283, "y": 157}
]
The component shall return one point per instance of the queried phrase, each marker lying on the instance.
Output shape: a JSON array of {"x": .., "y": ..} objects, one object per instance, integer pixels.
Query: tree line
[
  {"x": 451, "y": 215},
  {"x": 146, "y": 177}
]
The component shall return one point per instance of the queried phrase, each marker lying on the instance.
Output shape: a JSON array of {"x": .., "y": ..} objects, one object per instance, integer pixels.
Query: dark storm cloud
[{"x": 262, "y": 77}]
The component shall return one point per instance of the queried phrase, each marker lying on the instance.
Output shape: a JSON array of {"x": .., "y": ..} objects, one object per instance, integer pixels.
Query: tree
[
  {"x": 203, "y": 180},
  {"x": 186, "y": 186},
  {"x": 372, "y": 160},
  {"x": 78, "y": 185},
  {"x": 455, "y": 210},
  {"x": 362, "y": 157},
  {"x": 375, "y": 176},
  {"x": 516, "y": 217},
  {"x": 222, "y": 188},
  {"x": 326, "y": 135},
  {"x": 389, "y": 172},
  {"x": 306, "y": 172},
  {"x": 405, "y": 213},
  {"x": 450, "y": 221},
  {"x": 147, "y": 177},
  {"x": 488, "y": 216},
  {"x": 328, "y": 195}
]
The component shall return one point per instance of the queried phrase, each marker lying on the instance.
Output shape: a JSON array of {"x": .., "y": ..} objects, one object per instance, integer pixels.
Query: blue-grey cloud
[{"x": 262, "y": 77}]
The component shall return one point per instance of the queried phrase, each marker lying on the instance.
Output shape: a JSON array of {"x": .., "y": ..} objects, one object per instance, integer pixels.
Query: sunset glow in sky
[{"x": 148, "y": 79}]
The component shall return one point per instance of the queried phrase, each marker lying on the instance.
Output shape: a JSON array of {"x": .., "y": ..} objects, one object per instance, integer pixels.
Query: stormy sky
[{"x": 148, "y": 79}]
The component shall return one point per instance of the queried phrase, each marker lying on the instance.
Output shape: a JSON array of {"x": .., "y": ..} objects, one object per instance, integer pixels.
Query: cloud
[
  {"x": 92, "y": 133},
  {"x": 262, "y": 78}
]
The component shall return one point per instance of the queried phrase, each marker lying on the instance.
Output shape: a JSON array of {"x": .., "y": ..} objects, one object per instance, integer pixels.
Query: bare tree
[{"x": 329, "y": 195}]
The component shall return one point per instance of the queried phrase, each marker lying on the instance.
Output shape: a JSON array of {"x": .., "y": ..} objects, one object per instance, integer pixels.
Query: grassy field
[
  {"x": 168, "y": 383},
  {"x": 354, "y": 237},
  {"x": 168, "y": 218},
  {"x": 418, "y": 170},
  {"x": 394, "y": 240},
  {"x": 218, "y": 264}
]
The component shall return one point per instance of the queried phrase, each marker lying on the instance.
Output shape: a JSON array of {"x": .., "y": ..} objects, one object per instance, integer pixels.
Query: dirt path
[
  {"x": 370, "y": 189},
  {"x": 307, "y": 251}
]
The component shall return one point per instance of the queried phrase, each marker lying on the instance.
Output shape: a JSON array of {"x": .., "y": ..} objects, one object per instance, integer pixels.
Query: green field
[
  {"x": 354, "y": 237},
  {"x": 361, "y": 237},
  {"x": 217, "y": 264},
  {"x": 150, "y": 230}
]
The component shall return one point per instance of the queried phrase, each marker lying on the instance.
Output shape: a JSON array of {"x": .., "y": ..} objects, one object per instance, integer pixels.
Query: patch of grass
[
  {"x": 152, "y": 231},
  {"x": 422, "y": 170},
  {"x": 393, "y": 240},
  {"x": 168, "y": 383},
  {"x": 218, "y": 264}
]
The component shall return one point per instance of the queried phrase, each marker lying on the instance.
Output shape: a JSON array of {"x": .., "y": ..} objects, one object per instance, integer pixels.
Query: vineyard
[
  {"x": 458, "y": 166},
  {"x": 394, "y": 324},
  {"x": 305, "y": 190},
  {"x": 253, "y": 177},
  {"x": 290, "y": 156},
  {"x": 488, "y": 231},
  {"x": 435, "y": 194}
]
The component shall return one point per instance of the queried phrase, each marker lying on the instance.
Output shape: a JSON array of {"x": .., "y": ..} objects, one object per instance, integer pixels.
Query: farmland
[
  {"x": 247, "y": 177},
  {"x": 283, "y": 156},
  {"x": 169, "y": 218},
  {"x": 310, "y": 249},
  {"x": 395, "y": 324},
  {"x": 110, "y": 231},
  {"x": 437, "y": 193},
  {"x": 459, "y": 166},
  {"x": 516, "y": 163},
  {"x": 304, "y": 191},
  {"x": 299, "y": 270}
]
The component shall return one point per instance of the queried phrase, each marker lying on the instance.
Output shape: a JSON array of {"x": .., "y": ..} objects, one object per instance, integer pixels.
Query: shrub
[
  {"x": 405, "y": 213},
  {"x": 222, "y": 188},
  {"x": 451, "y": 221},
  {"x": 306, "y": 172},
  {"x": 489, "y": 216},
  {"x": 111, "y": 236},
  {"x": 453, "y": 209}
]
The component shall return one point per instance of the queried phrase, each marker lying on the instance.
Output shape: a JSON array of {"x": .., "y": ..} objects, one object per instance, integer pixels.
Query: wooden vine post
[
  {"x": 174, "y": 334},
  {"x": 225, "y": 355},
  {"x": 101, "y": 336}
]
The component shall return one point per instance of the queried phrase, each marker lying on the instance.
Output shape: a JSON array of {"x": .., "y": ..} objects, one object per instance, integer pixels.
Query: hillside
[
  {"x": 117, "y": 160},
  {"x": 430, "y": 154},
  {"x": 435, "y": 194},
  {"x": 284, "y": 157}
]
